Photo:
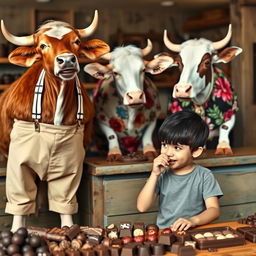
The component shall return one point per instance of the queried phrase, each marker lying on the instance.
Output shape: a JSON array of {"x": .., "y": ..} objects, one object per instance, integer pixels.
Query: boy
[{"x": 188, "y": 193}]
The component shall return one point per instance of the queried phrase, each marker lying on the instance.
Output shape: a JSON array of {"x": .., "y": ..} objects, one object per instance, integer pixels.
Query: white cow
[
  {"x": 202, "y": 87},
  {"x": 126, "y": 102}
]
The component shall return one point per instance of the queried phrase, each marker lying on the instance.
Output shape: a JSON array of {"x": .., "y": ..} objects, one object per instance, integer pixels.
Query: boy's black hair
[{"x": 186, "y": 128}]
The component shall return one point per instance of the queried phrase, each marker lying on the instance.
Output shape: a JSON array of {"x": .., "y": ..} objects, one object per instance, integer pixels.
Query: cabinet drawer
[
  {"x": 237, "y": 187},
  {"x": 121, "y": 196},
  {"x": 147, "y": 218}
]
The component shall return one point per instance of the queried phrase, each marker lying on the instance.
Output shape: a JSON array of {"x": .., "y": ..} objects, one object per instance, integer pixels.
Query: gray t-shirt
[{"x": 184, "y": 195}]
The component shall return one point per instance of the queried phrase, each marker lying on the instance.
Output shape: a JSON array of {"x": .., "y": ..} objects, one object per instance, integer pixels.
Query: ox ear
[
  {"x": 97, "y": 70},
  {"x": 24, "y": 56},
  {"x": 159, "y": 64},
  {"x": 94, "y": 48},
  {"x": 227, "y": 54}
]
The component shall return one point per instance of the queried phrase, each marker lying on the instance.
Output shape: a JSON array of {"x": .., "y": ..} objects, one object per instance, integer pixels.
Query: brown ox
[{"x": 53, "y": 51}]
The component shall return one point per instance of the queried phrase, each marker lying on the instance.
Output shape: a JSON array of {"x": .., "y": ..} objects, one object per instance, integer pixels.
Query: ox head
[
  {"x": 195, "y": 62},
  {"x": 57, "y": 45},
  {"x": 127, "y": 67}
]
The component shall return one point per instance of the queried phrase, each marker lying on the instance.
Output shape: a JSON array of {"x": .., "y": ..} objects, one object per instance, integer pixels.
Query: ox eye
[
  {"x": 77, "y": 42},
  {"x": 143, "y": 70},
  {"x": 43, "y": 46}
]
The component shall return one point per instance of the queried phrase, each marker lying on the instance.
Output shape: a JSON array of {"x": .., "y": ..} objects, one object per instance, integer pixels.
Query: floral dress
[
  {"x": 111, "y": 111},
  {"x": 219, "y": 108}
]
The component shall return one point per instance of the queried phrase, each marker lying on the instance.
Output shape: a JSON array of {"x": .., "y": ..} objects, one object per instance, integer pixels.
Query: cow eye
[
  {"x": 143, "y": 70},
  {"x": 77, "y": 42},
  {"x": 115, "y": 73},
  {"x": 43, "y": 46},
  {"x": 207, "y": 63}
]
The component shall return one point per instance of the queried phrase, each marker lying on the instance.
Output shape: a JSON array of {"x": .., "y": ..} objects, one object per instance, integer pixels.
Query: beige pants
[{"x": 56, "y": 155}]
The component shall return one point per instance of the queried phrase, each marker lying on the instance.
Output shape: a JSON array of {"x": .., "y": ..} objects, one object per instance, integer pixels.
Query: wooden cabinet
[{"x": 108, "y": 191}]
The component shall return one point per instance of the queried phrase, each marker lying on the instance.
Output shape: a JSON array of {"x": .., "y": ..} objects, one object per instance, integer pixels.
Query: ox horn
[
  {"x": 220, "y": 44},
  {"x": 171, "y": 46},
  {"x": 147, "y": 49},
  {"x": 90, "y": 29},
  {"x": 17, "y": 40}
]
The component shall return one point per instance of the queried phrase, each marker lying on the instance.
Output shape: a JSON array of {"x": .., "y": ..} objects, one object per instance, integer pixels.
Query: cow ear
[
  {"x": 94, "y": 48},
  {"x": 159, "y": 64},
  {"x": 227, "y": 54},
  {"x": 97, "y": 70},
  {"x": 24, "y": 56}
]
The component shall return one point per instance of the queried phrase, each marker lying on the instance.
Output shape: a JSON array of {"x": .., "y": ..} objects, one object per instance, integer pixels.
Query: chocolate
[
  {"x": 76, "y": 244},
  {"x": 35, "y": 241},
  {"x": 88, "y": 252},
  {"x": 158, "y": 249},
  {"x": 72, "y": 232},
  {"x": 143, "y": 251},
  {"x": 56, "y": 234},
  {"x": 138, "y": 229},
  {"x": 115, "y": 251},
  {"x": 216, "y": 238},
  {"x": 175, "y": 247},
  {"x": 37, "y": 231},
  {"x": 249, "y": 233},
  {"x": 18, "y": 239},
  {"x": 112, "y": 231},
  {"x": 128, "y": 251},
  {"x": 186, "y": 251},
  {"x": 250, "y": 220},
  {"x": 64, "y": 244},
  {"x": 166, "y": 239},
  {"x": 94, "y": 231},
  {"x": 134, "y": 157},
  {"x": 94, "y": 239},
  {"x": 152, "y": 226},
  {"x": 72, "y": 252},
  {"x": 182, "y": 236},
  {"x": 101, "y": 250}
]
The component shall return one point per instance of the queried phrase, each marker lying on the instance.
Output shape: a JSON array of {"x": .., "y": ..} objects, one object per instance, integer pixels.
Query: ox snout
[
  {"x": 182, "y": 91},
  {"x": 134, "y": 98},
  {"x": 66, "y": 66}
]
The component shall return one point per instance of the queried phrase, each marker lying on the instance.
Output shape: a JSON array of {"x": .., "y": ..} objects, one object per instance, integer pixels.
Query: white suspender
[{"x": 37, "y": 103}]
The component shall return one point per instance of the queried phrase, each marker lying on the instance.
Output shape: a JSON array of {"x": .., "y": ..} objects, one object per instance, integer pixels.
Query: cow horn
[
  {"x": 17, "y": 40},
  {"x": 147, "y": 49},
  {"x": 171, "y": 46},
  {"x": 220, "y": 44},
  {"x": 90, "y": 29}
]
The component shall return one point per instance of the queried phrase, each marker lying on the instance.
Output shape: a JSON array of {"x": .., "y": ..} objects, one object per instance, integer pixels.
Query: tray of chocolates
[
  {"x": 248, "y": 232},
  {"x": 250, "y": 220},
  {"x": 216, "y": 237}
]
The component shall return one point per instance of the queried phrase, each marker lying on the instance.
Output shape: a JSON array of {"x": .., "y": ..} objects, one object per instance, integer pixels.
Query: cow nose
[
  {"x": 66, "y": 60},
  {"x": 135, "y": 97},
  {"x": 182, "y": 91}
]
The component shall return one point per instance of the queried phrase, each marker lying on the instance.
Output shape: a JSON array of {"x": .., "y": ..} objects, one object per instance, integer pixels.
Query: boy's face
[{"x": 180, "y": 156}]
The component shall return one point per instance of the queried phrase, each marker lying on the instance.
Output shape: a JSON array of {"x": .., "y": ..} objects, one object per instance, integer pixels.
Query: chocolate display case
[
  {"x": 109, "y": 190},
  {"x": 218, "y": 237}
]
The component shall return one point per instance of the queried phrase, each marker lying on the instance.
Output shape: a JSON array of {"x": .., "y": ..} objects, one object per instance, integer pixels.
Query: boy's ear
[{"x": 196, "y": 153}]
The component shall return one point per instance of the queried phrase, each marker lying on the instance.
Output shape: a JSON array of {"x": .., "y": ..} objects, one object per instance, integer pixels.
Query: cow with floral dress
[
  {"x": 202, "y": 87},
  {"x": 126, "y": 101}
]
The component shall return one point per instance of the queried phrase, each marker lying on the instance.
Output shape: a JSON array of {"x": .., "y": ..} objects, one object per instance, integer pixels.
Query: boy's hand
[
  {"x": 159, "y": 164},
  {"x": 182, "y": 224}
]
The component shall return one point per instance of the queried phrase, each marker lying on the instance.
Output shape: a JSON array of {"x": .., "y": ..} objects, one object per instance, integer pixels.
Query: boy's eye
[
  {"x": 178, "y": 148},
  {"x": 164, "y": 145}
]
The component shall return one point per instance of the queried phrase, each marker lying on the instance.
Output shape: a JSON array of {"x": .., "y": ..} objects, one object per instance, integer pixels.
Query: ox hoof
[
  {"x": 114, "y": 157},
  {"x": 150, "y": 154},
  {"x": 223, "y": 151}
]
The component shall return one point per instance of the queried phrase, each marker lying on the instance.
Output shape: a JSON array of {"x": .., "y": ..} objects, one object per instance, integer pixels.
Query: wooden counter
[
  {"x": 249, "y": 249},
  {"x": 109, "y": 190}
]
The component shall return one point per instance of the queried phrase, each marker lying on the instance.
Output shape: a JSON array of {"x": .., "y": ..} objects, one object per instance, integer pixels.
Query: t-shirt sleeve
[{"x": 211, "y": 187}]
